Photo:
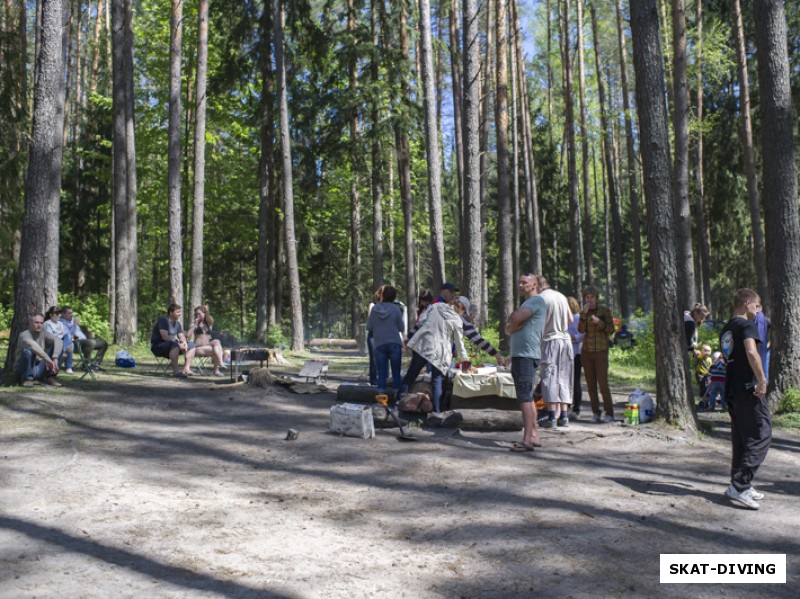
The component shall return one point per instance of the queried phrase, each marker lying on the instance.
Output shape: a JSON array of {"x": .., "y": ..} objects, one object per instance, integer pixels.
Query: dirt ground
[{"x": 146, "y": 486}]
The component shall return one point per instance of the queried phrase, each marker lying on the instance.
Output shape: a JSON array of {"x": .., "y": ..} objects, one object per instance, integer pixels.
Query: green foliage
[
  {"x": 790, "y": 404},
  {"x": 636, "y": 366},
  {"x": 92, "y": 312},
  {"x": 6, "y": 314},
  {"x": 275, "y": 337}
]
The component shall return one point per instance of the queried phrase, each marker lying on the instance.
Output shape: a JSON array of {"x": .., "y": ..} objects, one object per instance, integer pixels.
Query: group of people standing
[
  {"x": 557, "y": 336},
  {"x": 48, "y": 345}
]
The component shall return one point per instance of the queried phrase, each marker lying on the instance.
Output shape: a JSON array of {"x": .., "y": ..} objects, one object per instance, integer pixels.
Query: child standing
[
  {"x": 717, "y": 387},
  {"x": 701, "y": 367}
]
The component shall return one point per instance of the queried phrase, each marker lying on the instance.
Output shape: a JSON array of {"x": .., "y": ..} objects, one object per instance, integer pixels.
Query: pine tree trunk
[
  {"x": 293, "y": 272},
  {"x": 471, "y": 229},
  {"x": 198, "y": 217},
  {"x": 515, "y": 195},
  {"x": 759, "y": 253},
  {"x": 355, "y": 199},
  {"x": 587, "y": 205},
  {"x": 174, "y": 156},
  {"x": 531, "y": 197},
  {"x": 674, "y": 404},
  {"x": 504, "y": 236},
  {"x": 43, "y": 180},
  {"x": 780, "y": 194},
  {"x": 377, "y": 153},
  {"x": 404, "y": 174},
  {"x": 487, "y": 75},
  {"x": 458, "y": 121},
  {"x": 608, "y": 157},
  {"x": 131, "y": 183},
  {"x": 703, "y": 234},
  {"x": 265, "y": 275},
  {"x": 633, "y": 180},
  {"x": 683, "y": 215},
  {"x": 576, "y": 273},
  {"x": 432, "y": 145},
  {"x": 98, "y": 27}
]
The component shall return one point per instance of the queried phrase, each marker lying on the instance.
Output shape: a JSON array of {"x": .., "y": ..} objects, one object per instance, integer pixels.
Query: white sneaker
[
  {"x": 757, "y": 495},
  {"x": 69, "y": 371},
  {"x": 745, "y": 498}
]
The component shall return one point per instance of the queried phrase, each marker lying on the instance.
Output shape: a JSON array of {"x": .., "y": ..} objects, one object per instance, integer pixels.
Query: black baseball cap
[{"x": 449, "y": 287}]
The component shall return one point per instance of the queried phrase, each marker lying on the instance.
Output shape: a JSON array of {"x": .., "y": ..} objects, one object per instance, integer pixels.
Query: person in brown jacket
[{"x": 596, "y": 323}]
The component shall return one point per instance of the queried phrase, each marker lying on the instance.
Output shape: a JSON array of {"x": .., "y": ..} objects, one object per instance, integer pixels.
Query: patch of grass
[{"x": 786, "y": 420}]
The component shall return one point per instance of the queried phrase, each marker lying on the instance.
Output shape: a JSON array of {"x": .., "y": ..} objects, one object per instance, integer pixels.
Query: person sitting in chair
[
  {"x": 200, "y": 331},
  {"x": 168, "y": 341},
  {"x": 88, "y": 343}
]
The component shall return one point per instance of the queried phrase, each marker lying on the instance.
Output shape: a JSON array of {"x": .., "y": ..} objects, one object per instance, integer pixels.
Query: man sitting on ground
[
  {"x": 32, "y": 362},
  {"x": 168, "y": 341}
]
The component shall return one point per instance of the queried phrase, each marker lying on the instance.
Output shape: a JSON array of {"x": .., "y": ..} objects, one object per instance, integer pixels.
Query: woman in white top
[{"x": 56, "y": 328}]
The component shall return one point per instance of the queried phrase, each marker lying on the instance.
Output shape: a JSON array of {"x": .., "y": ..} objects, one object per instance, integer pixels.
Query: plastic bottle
[
  {"x": 627, "y": 413},
  {"x": 635, "y": 415}
]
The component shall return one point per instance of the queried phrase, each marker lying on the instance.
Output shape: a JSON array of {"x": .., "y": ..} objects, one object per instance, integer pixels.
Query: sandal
[{"x": 521, "y": 448}]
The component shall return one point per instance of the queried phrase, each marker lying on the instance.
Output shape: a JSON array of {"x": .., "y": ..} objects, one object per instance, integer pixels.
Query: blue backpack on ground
[{"x": 124, "y": 360}]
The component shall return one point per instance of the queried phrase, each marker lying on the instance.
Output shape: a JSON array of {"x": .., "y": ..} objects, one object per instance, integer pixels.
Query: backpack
[{"x": 124, "y": 360}]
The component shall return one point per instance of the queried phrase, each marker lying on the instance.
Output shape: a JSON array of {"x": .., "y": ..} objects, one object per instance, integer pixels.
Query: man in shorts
[
  {"x": 168, "y": 341},
  {"x": 525, "y": 325},
  {"x": 557, "y": 359},
  {"x": 745, "y": 394}
]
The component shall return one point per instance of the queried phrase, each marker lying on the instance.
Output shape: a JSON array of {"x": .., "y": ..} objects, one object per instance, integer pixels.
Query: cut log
[
  {"x": 337, "y": 343},
  {"x": 477, "y": 420},
  {"x": 360, "y": 394},
  {"x": 494, "y": 402}
]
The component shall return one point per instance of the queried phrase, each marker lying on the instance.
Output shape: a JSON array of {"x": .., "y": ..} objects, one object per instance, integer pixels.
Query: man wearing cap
[
  {"x": 447, "y": 294},
  {"x": 525, "y": 325}
]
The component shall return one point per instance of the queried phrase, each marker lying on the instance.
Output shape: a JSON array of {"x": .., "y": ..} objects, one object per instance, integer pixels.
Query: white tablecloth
[{"x": 478, "y": 385}]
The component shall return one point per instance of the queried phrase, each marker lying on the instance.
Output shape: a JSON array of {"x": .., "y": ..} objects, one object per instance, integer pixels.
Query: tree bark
[
  {"x": 377, "y": 152},
  {"x": 674, "y": 403},
  {"x": 680, "y": 116},
  {"x": 504, "y": 237},
  {"x": 576, "y": 272},
  {"x": 633, "y": 181},
  {"x": 198, "y": 218},
  {"x": 43, "y": 180},
  {"x": 608, "y": 157},
  {"x": 458, "y": 121},
  {"x": 355, "y": 199},
  {"x": 432, "y": 145},
  {"x": 404, "y": 173},
  {"x": 131, "y": 184},
  {"x": 780, "y": 194},
  {"x": 174, "y": 156},
  {"x": 265, "y": 275},
  {"x": 588, "y": 259},
  {"x": 471, "y": 229},
  {"x": 759, "y": 253},
  {"x": 480, "y": 314},
  {"x": 293, "y": 272},
  {"x": 703, "y": 234},
  {"x": 531, "y": 194},
  {"x": 98, "y": 27}
]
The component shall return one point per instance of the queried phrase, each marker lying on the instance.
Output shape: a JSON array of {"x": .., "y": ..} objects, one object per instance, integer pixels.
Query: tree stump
[{"x": 360, "y": 394}]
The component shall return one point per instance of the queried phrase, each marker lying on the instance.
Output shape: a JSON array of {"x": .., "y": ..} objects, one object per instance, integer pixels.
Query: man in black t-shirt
[
  {"x": 745, "y": 392},
  {"x": 168, "y": 341}
]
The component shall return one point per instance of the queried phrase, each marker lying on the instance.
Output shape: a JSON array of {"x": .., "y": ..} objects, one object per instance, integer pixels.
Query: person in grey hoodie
[{"x": 385, "y": 322}]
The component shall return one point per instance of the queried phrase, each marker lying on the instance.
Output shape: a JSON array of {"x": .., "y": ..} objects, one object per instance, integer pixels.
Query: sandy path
[{"x": 154, "y": 487}]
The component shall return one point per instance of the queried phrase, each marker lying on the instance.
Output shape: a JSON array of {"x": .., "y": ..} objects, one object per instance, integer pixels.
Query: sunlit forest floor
[{"x": 144, "y": 485}]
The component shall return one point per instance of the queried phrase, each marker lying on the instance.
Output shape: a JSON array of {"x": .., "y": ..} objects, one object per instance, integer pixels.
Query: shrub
[
  {"x": 275, "y": 337},
  {"x": 790, "y": 404}
]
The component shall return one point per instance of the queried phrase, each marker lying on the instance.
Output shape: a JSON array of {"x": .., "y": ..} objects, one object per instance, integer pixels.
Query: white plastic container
[
  {"x": 647, "y": 407},
  {"x": 352, "y": 420}
]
